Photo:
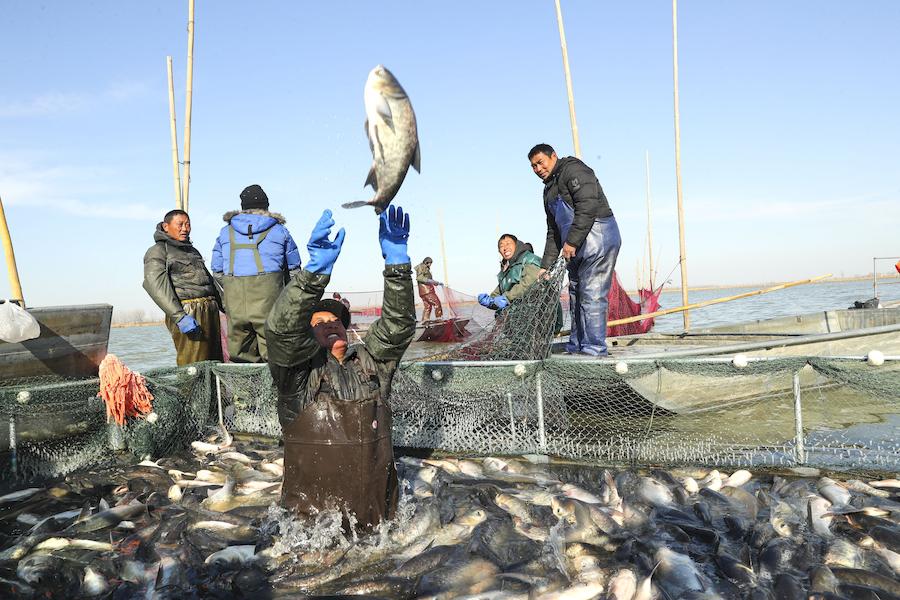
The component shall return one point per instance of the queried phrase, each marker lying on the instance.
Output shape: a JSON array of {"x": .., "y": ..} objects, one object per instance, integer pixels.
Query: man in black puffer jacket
[{"x": 580, "y": 227}]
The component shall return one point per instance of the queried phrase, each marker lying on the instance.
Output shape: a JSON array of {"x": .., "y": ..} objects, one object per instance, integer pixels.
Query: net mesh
[{"x": 501, "y": 392}]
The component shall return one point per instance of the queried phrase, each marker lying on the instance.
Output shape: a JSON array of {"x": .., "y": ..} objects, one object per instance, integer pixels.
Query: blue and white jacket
[{"x": 277, "y": 250}]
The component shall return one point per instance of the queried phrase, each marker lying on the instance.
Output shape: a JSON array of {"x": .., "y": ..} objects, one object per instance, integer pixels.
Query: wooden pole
[
  {"x": 687, "y": 307},
  {"x": 15, "y": 286},
  {"x": 176, "y": 171},
  {"x": 565, "y": 57},
  {"x": 186, "y": 183},
  {"x": 649, "y": 224},
  {"x": 681, "y": 246},
  {"x": 443, "y": 250}
]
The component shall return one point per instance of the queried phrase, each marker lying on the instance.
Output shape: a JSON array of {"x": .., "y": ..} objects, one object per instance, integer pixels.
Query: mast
[
  {"x": 649, "y": 224},
  {"x": 176, "y": 172},
  {"x": 565, "y": 57},
  {"x": 15, "y": 285},
  {"x": 681, "y": 246},
  {"x": 186, "y": 183}
]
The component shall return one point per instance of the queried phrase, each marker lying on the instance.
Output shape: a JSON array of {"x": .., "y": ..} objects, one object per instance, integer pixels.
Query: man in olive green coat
[
  {"x": 333, "y": 399},
  {"x": 177, "y": 280}
]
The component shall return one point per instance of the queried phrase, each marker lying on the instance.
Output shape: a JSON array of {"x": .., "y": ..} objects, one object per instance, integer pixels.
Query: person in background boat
[
  {"x": 429, "y": 298},
  {"x": 176, "y": 278},
  {"x": 342, "y": 300},
  {"x": 252, "y": 260},
  {"x": 582, "y": 229},
  {"x": 332, "y": 397}
]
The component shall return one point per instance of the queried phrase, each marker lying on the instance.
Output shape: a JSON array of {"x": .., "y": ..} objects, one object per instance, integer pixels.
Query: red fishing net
[{"x": 124, "y": 392}]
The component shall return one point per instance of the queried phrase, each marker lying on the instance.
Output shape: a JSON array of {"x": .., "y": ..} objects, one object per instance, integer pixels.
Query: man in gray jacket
[
  {"x": 582, "y": 229},
  {"x": 177, "y": 280}
]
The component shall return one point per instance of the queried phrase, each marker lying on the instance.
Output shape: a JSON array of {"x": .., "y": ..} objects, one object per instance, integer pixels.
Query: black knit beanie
[{"x": 254, "y": 197}]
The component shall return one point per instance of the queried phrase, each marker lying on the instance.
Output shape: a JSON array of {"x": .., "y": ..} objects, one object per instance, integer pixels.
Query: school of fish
[{"x": 206, "y": 524}]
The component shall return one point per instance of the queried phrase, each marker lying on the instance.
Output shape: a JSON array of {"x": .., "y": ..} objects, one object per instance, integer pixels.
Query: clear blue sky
[{"x": 790, "y": 117}]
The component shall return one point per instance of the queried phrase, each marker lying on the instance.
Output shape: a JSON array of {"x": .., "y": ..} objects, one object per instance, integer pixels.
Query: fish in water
[{"x": 393, "y": 138}]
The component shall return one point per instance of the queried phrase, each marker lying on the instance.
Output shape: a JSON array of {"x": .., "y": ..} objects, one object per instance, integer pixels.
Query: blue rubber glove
[
  {"x": 187, "y": 324},
  {"x": 501, "y": 302},
  {"x": 323, "y": 252},
  {"x": 485, "y": 300},
  {"x": 393, "y": 233}
]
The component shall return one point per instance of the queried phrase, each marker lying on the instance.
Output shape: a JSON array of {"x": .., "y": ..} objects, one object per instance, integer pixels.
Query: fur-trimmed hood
[
  {"x": 253, "y": 220},
  {"x": 254, "y": 211}
]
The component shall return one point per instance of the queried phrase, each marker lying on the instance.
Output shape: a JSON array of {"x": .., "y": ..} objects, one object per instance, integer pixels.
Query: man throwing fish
[
  {"x": 333, "y": 398},
  {"x": 582, "y": 229}
]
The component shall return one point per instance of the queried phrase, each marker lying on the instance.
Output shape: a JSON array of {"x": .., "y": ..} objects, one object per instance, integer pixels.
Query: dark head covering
[
  {"x": 254, "y": 197},
  {"x": 336, "y": 308}
]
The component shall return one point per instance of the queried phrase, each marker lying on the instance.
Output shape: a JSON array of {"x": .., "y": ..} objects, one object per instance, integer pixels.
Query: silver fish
[
  {"x": 19, "y": 495},
  {"x": 393, "y": 137}
]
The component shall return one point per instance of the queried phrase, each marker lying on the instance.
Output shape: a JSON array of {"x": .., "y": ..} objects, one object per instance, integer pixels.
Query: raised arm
[
  {"x": 288, "y": 329},
  {"x": 389, "y": 336}
]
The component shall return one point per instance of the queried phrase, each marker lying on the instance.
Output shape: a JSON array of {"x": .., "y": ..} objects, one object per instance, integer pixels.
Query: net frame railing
[{"x": 579, "y": 409}]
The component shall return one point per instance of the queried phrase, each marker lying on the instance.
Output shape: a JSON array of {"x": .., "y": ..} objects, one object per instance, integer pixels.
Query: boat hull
[{"x": 73, "y": 341}]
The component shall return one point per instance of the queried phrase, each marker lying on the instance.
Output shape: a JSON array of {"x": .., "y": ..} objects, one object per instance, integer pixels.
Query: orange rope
[{"x": 124, "y": 392}]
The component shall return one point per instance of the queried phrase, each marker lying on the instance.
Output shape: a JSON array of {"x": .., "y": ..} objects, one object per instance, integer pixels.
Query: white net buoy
[
  {"x": 875, "y": 358},
  {"x": 740, "y": 361},
  {"x": 152, "y": 417},
  {"x": 519, "y": 370},
  {"x": 23, "y": 397},
  {"x": 621, "y": 367},
  {"x": 436, "y": 375},
  {"x": 192, "y": 371}
]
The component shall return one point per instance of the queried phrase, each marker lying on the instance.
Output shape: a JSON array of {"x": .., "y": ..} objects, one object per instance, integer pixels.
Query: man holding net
[
  {"x": 582, "y": 229},
  {"x": 332, "y": 397}
]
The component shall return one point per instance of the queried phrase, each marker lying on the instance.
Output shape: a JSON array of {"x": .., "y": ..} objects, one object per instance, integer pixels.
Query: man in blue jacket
[{"x": 252, "y": 260}]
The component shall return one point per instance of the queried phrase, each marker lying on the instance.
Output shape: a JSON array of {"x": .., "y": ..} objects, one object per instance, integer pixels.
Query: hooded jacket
[
  {"x": 517, "y": 274},
  {"x": 576, "y": 184},
  {"x": 174, "y": 271},
  {"x": 277, "y": 250}
]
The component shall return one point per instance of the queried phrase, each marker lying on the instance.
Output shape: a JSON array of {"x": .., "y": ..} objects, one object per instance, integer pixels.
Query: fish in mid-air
[{"x": 393, "y": 138}]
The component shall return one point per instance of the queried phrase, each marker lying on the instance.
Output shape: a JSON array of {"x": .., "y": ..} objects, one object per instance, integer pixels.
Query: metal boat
[{"x": 72, "y": 343}]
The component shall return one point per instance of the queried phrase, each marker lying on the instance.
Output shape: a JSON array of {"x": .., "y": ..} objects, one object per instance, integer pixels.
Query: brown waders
[
  {"x": 248, "y": 300},
  {"x": 430, "y": 300},
  {"x": 338, "y": 454},
  {"x": 205, "y": 344}
]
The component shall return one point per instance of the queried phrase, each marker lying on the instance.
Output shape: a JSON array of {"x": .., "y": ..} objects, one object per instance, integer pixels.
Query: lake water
[{"x": 144, "y": 348}]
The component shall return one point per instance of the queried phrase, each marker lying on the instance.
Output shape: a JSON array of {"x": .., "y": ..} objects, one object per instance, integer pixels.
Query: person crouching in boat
[
  {"x": 177, "y": 280},
  {"x": 426, "y": 291},
  {"x": 332, "y": 397},
  {"x": 520, "y": 268}
]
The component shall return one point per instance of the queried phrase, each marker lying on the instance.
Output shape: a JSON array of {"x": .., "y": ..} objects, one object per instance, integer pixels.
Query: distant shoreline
[
  {"x": 137, "y": 324},
  {"x": 667, "y": 290}
]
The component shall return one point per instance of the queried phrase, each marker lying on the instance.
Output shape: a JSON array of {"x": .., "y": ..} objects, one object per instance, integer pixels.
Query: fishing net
[
  {"x": 52, "y": 426},
  {"x": 501, "y": 392}
]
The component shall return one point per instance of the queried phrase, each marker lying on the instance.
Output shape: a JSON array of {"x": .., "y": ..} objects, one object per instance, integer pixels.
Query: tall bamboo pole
[
  {"x": 176, "y": 171},
  {"x": 15, "y": 286},
  {"x": 443, "y": 249},
  {"x": 649, "y": 224},
  {"x": 565, "y": 57},
  {"x": 186, "y": 183},
  {"x": 681, "y": 246}
]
